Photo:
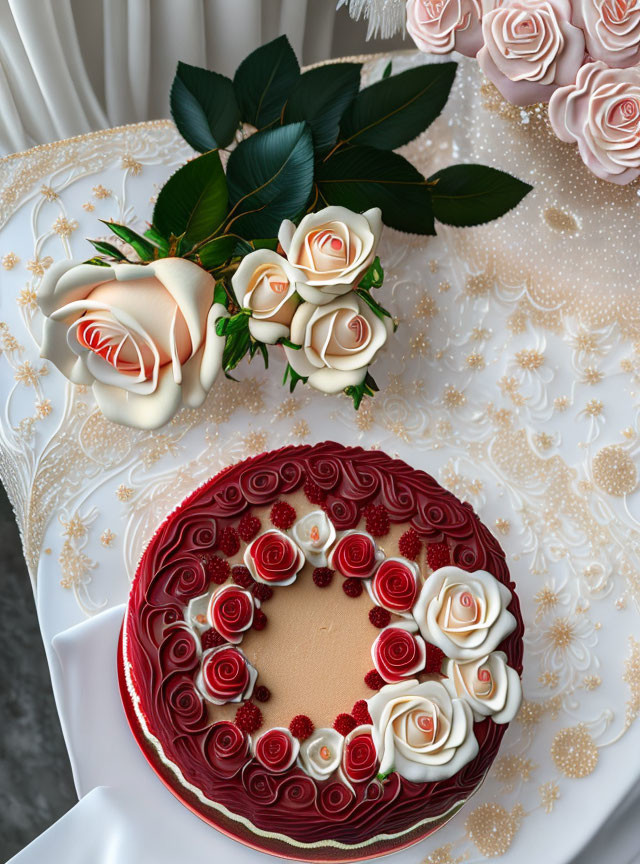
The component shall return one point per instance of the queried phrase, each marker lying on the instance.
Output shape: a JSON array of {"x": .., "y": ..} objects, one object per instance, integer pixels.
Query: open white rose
[
  {"x": 420, "y": 731},
  {"x": 333, "y": 248},
  {"x": 142, "y": 335},
  {"x": 315, "y": 534},
  {"x": 265, "y": 282},
  {"x": 321, "y": 753},
  {"x": 464, "y": 614},
  {"x": 491, "y": 687},
  {"x": 338, "y": 340}
]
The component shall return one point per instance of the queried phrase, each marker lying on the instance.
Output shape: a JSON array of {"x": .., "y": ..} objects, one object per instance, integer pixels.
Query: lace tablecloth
[{"x": 513, "y": 378}]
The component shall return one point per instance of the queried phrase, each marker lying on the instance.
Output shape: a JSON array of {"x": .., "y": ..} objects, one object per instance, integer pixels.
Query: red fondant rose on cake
[
  {"x": 395, "y": 585},
  {"x": 226, "y": 675},
  {"x": 398, "y": 653},
  {"x": 277, "y": 749},
  {"x": 273, "y": 558},
  {"x": 360, "y": 760},
  {"x": 231, "y": 612},
  {"x": 226, "y": 748},
  {"x": 355, "y": 555}
]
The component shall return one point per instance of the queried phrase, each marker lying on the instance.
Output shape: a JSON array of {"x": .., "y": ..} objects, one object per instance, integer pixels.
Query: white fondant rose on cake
[
  {"x": 530, "y": 48},
  {"x": 489, "y": 685},
  {"x": 601, "y": 114},
  {"x": 333, "y": 248},
  {"x": 464, "y": 614},
  {"x": 231, "y": 612},
  {"x": 315, "y": 534},
  {"x": 265, "y": 283},
  {"x": 142, "y": 335},
  {"x": 321, "y": 753},
  {"x": 273, "y": 558},
  {"x": 611, "y": 28},
  {"x": 398, "y": 653},
  {"x": 441, "y": 26},
  {"x": 420, "y": 731},
  {"x": 226, "y": 675}
]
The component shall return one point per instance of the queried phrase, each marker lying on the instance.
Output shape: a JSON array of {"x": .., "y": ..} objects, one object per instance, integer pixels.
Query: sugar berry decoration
[
  {"x": 360, "y": 713},
  {"x": 262, "y": 693},
  {"x": 211, "y": 639},
  {"x": 248, "y": 527},
  {"x": 248, "y": 718},
  {"x": 261, "y": 592},
  {"x": 352, "y": 587},
  {"x": 410, "y": 545},
  {"x": 314, "y": 493},
  {"x": 217, "y": 569},
  {"x": 434, "y": 659},
  {"x": 301, "y": 727},
  {"x": 344, "y": 723},
  {"x": 374, "y": 680},
  {"x": 259, "y": 620},
  {"x": 322, "y": 576},
  {"x": 379, "y": 617},
  {"x": 377, "y": 520},
  {"x": 229, "y": 541},
  {"x": 438, "y": 555},
  {"x": 282, "y": 515},
  {"x": 241, "y": 576}
]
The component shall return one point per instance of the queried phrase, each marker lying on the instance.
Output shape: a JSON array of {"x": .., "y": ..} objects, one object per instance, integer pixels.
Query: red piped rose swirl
[
  {"x": 277, "y": 749},
  {"x": 273, "y": 558},
  {"x": 231, "y": 612},
  {"x": 395, "y": 585},
  {"x": 397, "y": 653},
  {"x": 355, "y": 555},
  {"x": 226, "y": 748},
  {"x": 360, "y": 759},
  {"x": 226, "y": 675}
]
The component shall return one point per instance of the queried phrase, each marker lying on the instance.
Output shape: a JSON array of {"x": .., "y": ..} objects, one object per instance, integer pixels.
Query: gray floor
[{"x": 35, "y": 779}]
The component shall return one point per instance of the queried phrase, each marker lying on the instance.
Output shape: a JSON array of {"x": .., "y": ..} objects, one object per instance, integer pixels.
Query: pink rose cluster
[{"x": 581, "y": 56}]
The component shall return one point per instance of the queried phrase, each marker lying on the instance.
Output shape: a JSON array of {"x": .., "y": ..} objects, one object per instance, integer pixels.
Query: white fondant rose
[
  {"x": 265, "y": 283},
  {"x": 420, "y": 731},
  {"x": 489, "y": 685},
  {"x": 314, "y": 534},
  {"x": 530, "y": 48},
  {"x": 338, "y": 340},
  {"x": 321, "y": 753},
  {"x": 333, "y": 248},
  {"x": 611, "y": 28},
  {"x": 142, "y": 335},
  {"x": 441, "y": 26},
  {"x": 464, "y": 614},
  {"x": 601, "y": 114}
]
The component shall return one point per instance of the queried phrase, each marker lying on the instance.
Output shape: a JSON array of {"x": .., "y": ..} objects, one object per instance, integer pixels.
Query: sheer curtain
[{"x": 70, "y": 66}]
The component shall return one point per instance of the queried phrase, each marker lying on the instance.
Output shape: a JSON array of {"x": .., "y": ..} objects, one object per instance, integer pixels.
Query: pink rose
[
  {"x": 611, "y": 28},
  {"x": 277, "y": 749},
  {"x": 355, "y": 555},
  {"x": 226, "y": 675},
  {"x": 231, "y": 612},
  {"x": 398, "y": 653},
  {"x": 441, "y": 26},
  {"x": 395, "y": 585},
  {"x": 273, "y": 558},
  {"x": 601, "y": 114},
  {"x": 530, "y": 49}
]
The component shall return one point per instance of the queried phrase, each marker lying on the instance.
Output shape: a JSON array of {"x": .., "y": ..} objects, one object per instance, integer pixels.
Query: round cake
[{"x": 321, "y": 653}]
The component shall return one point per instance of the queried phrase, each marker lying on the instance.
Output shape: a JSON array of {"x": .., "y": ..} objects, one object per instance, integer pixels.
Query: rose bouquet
[
  {"x": 580, "y": 56},
  {"x": 268, "y": 238}
]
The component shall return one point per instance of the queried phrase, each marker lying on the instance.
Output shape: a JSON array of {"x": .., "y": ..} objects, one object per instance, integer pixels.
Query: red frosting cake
[{"x": 321, "y": 653}]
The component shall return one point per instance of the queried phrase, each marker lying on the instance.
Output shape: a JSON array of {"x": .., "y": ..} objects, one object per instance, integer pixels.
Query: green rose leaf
[
  {"x": 375, "y": 307},
  {"x": 292, "y": 376},
  {"x": 238, "y": 340},
  {"x": 264, "y": 80},
  {"x": 217, "y": 251},
  {"x": 97, "y": 262},
  {"x": 320, "y": 97},
  {"x": 362, "y": 177},
  {"x": 357, "y": 392},
  {"x": 396, "y": 110},
  {"x": 108, "y": 249},
  {"x": 220, "y": 296},
  {"x": 465, "y": 195},
  {"x": 158, "y": 240},
  {"x": 204, "y": 107},
  {"x": 146, "y": 250},
  {"x": 374, "y": 277},
  {"x": 270, "y": 177},
  {"x": 193, "y": 201}
]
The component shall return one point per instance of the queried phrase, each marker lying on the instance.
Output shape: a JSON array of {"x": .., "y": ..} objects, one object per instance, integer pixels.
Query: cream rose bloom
[
  {"x": 441, "y": 26},
  {"x": 321, "y": 753},
  {"x": 611, "y": 28},
  {"x": 142, "y": 335},
  {"x": 265, "y": 283},
  {"x": 464, "y": 614},
  {"x": 601, "y": 114},
  {"x": 315, "y": 534},
  {"x": 491, "y": 687},
  {"x": 333, "y": 248},
  {"x": 530, "y": 48},
  {"x": 420, "y": 731},
  {"x": 339, "y": 341}
]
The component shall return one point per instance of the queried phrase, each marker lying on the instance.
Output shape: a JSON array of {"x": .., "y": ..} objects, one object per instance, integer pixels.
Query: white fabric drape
[{"x": 70, "y": 66}]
